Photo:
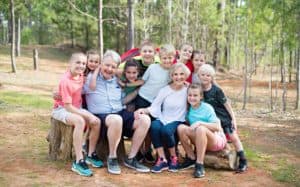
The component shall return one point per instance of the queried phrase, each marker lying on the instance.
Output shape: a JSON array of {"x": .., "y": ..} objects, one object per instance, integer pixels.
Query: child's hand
[
  {"x": 121, "y": 83},
  {"x": 56, "y": 95},
  {"x": 138, "y": 113}
]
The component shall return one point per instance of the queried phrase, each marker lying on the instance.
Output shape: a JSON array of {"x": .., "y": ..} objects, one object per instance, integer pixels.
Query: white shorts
[{"x": 61, "y": 114}]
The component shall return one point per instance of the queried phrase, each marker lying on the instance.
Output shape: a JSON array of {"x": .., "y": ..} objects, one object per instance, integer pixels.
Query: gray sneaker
[
  {"x": 113, "y": 166},
  {"x": 134, "y": 164}
]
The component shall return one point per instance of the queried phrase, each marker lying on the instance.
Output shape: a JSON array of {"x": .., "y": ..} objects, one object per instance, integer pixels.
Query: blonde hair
[
  {"x": 77, "y": 55},
  {"x": 147, "y": 43},
  {"x": 176, "y": 66},
  {"x": 209, "y": 69},
  {"x": 167, "y": 49}
]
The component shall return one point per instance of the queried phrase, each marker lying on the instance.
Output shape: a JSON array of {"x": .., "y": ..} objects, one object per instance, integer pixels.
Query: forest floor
[{"x": 271, "y": 139}]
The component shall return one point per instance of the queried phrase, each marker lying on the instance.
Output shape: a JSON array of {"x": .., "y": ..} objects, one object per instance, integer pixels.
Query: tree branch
[{"x": 81, "y": 12}]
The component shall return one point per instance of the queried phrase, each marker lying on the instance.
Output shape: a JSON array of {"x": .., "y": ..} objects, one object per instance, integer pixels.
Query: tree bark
[
  {"x": 298, "y": 78},
  {"x": 130, "y": 25},
  {"x": 18, "y": 42},
  {"x": 100, "y": 29},
  {"x": 35, "y": 59},
  {"x": 170, "y": 20},
  {"x": 246, "y": 65},
  {"x": 60, "y": 140},
  {"x": 13, "y": 58},
  {"x": 224, "y": 159}
]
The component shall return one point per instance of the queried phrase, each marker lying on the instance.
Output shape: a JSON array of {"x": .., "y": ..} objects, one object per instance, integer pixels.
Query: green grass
[
  {"x": 286, "y": 173},
  {"x": 3, "y": 179},
  {"x": 8, "y": 98},
  {"x": 45, "y": 52}
]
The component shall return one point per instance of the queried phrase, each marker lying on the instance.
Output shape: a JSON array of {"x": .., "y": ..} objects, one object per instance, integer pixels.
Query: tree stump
[
  {"x": 224, "y": 159},
  {"x": 102, "y": 149},
  {"x": 60, "y": 140}
]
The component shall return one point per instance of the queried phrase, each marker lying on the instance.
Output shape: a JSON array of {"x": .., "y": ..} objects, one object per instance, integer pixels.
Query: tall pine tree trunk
[
  {"x": 18, "y": 42},
  {"x": 246, "y": 64},
  {"x": 130, "y": 25},
  {"x": 100, "y": 29},
  {"x": 298, "y": 77},
  {"x": 13, "y": 37},
  {"x": 170, "y": 20}
]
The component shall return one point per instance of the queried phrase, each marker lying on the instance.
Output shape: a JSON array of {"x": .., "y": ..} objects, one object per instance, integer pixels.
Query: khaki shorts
[{"x": 61, "y": 114}]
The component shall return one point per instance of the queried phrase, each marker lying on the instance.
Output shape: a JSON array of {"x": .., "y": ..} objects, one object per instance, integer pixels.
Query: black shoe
[
  {"x": 134, "y": 164},
  {"x": 149, "y": 158},
  {"x": 242, "y": 166},
  {"x": 199, "y": 171},
  {"x": 187, "y": 163},
  {"x": 139, "y": 157}
]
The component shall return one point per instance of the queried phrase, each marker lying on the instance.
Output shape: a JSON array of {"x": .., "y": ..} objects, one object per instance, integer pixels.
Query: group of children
[{"x": 208, "y": 117}]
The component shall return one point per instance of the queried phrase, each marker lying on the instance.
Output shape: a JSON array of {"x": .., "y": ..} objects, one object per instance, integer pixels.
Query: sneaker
[
  {"x": 81, "y": 168},
  {"x": 242, "y": 166},
  {"x": 159, "y": 166},
  {"x": 139, "y": 156},
  {"x": 187, "y": 163},
  {"x": 134, "y": 164},
  {"x": 94, "y": 160},
  {"x": 149, "y": 158},
  {"x": 113, "y": 166},
  {"x": 199, "y": 171},
  {"x": 173, "y": 164}
]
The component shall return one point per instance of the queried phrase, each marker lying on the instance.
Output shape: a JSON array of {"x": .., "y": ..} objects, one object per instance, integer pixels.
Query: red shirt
[{"x": 70, "y": 90}]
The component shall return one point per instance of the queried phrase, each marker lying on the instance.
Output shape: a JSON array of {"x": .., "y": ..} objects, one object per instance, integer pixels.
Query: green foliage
[{"x": 28, "y": 37}]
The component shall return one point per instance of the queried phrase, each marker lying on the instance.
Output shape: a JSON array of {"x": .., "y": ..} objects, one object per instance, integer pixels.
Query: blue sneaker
[
  {"x": 81, "y": 168},
  {"x": 159, "y": 166},
  {"x": 113, "y": 166},
  {"x": 173, "y": 164},
  {"x": 94, "y": 160}
]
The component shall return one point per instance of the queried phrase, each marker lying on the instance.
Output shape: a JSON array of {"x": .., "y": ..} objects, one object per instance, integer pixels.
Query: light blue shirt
[
  {"x": 107, "y": 97},
  {"x": 204, "y": 113}
]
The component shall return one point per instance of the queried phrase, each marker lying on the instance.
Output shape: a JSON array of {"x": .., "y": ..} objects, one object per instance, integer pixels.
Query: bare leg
[
  {"x": 236, "y": 141},
  {"x": 140, "y": 127},
  {"x": 184, "y": 135},
  {"x": 94, "y": 134},
  {"x": 205, "y": 139},
  {"x": 114, "y": 132},
  {"x": 78, "y": 123}
]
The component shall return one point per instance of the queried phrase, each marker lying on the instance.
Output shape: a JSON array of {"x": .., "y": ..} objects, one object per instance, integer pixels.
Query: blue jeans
[{"x": 163, "y": 134}]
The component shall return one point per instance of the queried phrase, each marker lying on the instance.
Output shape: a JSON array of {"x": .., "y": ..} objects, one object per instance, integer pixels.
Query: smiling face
[
  {"x": 77, "y": 64},
  {"x": 166, "y": 60},
  {"x": 131, "y": 73},
  {"x": 186, "y": 52},
  {"x": 108, "y": 68},
  {"x": 178, "y": 77},
  {"x": 205, "y": 77},
  {"x": 93, "y": 62},
  {"x": 147, "y": 53},
  {"x": 198, "y": 61},
  {"x": 194, "y": 96}
]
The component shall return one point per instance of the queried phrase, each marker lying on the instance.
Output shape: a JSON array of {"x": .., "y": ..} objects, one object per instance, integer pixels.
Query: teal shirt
[{"x": 204, "y": 113}]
